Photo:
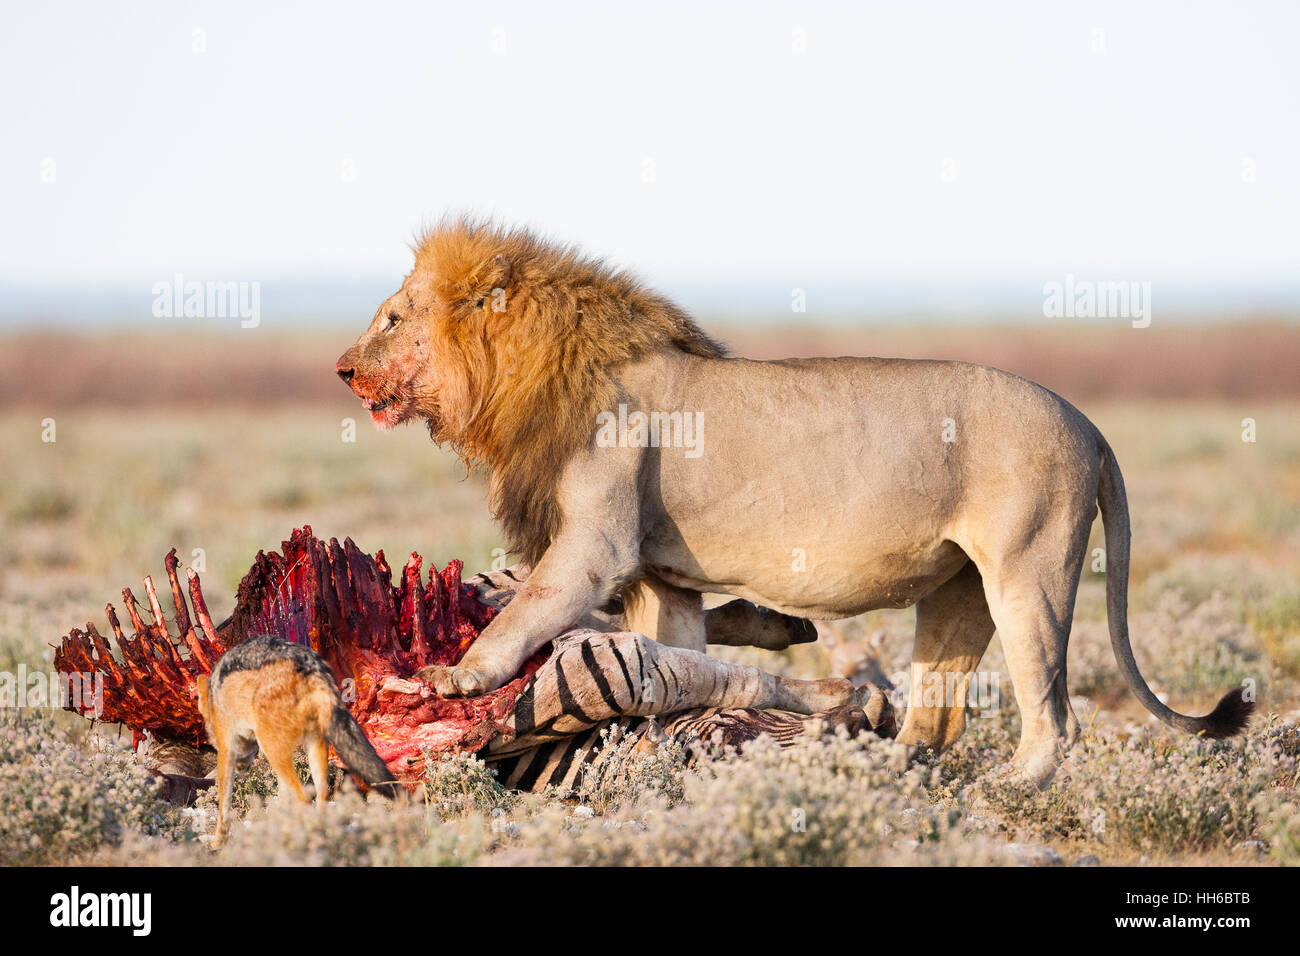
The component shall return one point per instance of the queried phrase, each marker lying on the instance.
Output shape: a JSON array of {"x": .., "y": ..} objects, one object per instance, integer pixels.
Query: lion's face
[
  {"x": 388, "y": 367},
  {"x": 426, "y": 351}
]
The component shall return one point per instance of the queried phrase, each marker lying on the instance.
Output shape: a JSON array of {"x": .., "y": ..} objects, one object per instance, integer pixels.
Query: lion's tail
[{"x": 1233, "y": 711}]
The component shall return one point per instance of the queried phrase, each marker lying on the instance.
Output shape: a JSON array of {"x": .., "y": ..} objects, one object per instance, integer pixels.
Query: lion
[{"x": 629, "y": 455}]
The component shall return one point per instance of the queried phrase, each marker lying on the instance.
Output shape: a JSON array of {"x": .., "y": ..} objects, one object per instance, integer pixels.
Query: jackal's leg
[
  {"x": 225, "y": 789},
  {"x": 279, "y": 754},
  {"x": 318, "y": 756}
]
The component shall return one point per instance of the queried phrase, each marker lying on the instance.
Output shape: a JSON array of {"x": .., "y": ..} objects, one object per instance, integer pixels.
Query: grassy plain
[{"x": 219, "y": 446}]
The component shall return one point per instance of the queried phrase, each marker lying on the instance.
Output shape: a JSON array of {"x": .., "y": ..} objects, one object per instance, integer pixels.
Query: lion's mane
[{"x": 526, "y": 354}]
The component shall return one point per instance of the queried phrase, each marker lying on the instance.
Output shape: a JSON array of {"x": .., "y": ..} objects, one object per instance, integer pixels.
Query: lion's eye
[
  {"x": 394, "y": 320},
  {"x": 479, "y": 303}
]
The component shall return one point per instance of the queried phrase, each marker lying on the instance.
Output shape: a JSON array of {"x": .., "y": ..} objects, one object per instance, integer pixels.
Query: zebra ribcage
[{"x": 560, "y": 763}]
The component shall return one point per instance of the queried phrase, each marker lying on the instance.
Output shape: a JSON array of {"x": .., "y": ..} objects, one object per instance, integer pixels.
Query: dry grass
[
  {"x": 264, "y": 367},
  {"x": 1215, "y": 599}
]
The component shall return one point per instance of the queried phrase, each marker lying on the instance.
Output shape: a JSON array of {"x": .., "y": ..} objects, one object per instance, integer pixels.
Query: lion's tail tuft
[{"x": 1229, "y": 717}]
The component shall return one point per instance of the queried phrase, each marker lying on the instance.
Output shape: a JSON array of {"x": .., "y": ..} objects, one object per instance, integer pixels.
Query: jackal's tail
[{"x": 344, "y": 734}]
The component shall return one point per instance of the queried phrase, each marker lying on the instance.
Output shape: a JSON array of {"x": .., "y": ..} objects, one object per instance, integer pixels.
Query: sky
[{"x": 899, "y": 153}]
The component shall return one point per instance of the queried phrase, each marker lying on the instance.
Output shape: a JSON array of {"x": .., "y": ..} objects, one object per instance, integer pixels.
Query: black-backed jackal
[{"x": 279, "y": 694}]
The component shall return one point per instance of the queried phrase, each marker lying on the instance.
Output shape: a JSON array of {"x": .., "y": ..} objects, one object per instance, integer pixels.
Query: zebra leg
[
  {"x": 592, "y": 677},
  {"x": 735, "y": 726}
]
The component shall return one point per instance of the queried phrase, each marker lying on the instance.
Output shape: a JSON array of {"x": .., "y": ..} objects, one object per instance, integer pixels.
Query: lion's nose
[{"x": 345, "y": 373}]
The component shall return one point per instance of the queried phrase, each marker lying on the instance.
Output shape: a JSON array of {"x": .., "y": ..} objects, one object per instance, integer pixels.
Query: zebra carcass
[{"x": 378, "y": 634}]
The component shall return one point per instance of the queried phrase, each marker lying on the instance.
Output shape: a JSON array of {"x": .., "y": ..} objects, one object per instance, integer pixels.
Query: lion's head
[
  {"x": 507, "y": 345},
  {"x": 390, "y": 368}
]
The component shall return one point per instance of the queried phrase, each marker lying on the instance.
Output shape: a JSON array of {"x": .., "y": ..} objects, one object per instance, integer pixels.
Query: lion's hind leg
[
  {"x": 1031, "y": 595},
  {"x": 953, "y": 630}
]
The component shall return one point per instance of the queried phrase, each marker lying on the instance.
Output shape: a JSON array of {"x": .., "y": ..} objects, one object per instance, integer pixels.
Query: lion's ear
[
  {"x": 496, "y": 273},
  {"x": 490, "y": 279}
]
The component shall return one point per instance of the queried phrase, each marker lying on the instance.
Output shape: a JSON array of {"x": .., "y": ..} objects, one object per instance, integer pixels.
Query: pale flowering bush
[
  {"x": 1151, "y": 791},
  {"x": 825, "y": 801},
  {"x": 1285, "y": 736},
  {"x": 625, "y": 777},
  {"x": 1185, "y": 650},
  {"x": 1198, "y": 650},
  {"x": 348, "y": 831},
  {"x": 978, "y": 751},
  {"x": 458, "y": 784},
  {"x": 58, "y": 802},
  {"x": 1283, "y": 834},
  {"x": 1283, "y": 803}
]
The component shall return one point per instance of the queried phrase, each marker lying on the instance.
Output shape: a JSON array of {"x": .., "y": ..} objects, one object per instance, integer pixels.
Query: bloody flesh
[{"x": 338, "y": 600}]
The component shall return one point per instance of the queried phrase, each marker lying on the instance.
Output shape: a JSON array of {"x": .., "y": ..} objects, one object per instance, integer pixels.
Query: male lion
[{"x": 820, "y": 488}]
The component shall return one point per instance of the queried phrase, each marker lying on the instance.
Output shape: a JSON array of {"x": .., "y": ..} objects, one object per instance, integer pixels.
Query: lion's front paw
[{"x": 456, "y": 681}]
